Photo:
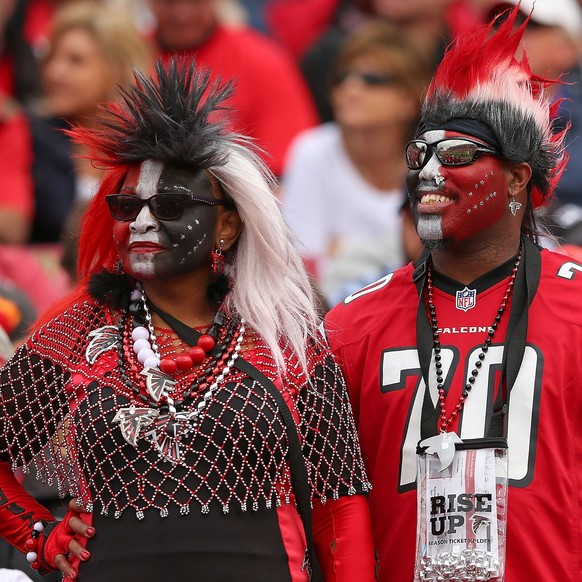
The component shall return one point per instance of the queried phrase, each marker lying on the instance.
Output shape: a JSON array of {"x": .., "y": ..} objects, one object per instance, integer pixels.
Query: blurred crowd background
[{"x": 328, "y": 89}]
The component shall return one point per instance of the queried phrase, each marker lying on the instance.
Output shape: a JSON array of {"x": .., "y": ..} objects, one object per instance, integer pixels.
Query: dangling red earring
[
  {"x": 219, "y": 284},
  {"x": 218, "y": 260}
]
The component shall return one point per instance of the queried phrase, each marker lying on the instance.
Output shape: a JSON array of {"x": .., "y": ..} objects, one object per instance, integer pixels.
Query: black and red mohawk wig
[
  {"x": 481, "y": 79},
  {"x": 170, "y": 116},
  {"x": 175, "y": 116}
]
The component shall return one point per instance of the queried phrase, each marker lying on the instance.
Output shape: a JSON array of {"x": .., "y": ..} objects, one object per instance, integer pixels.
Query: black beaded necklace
[{"x": 445, "y": 422}]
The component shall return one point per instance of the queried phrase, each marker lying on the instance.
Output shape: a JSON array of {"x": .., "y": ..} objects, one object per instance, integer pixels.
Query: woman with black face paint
[{"x": 182, "y": 395}]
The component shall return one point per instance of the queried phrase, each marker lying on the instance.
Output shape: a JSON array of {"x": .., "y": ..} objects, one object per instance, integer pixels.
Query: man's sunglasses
[
  {"x": 449, "y": 151},
  {"x": 168, "y": 206},
  {"x": 370, "y": 78}
]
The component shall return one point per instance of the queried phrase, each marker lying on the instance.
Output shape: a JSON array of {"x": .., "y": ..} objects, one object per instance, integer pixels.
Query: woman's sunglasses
[
  {"x": 370, "y": 78},
  {"x": 449, "y": 151},
  {"x": 168, "y": 206}
]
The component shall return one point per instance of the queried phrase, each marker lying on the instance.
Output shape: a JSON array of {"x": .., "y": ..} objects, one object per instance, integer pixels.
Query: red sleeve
[
  {"x": 18, "y": 509},
  {"x": 342, "y": 536}
]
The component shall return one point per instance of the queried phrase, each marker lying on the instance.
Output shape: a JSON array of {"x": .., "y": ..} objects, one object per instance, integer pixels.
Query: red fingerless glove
[
  {"x": 52, "y": 539},
  {"x": 342, "y": 536},
  {"x": 49, "y": 539},
  {"x": 55, "y": 541}
]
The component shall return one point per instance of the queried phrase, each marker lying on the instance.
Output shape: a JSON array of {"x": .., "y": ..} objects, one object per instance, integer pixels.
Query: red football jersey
[{"x": 373, "y": 334}]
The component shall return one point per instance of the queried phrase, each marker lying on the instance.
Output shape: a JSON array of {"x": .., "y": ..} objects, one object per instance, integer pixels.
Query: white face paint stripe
[
  {"x": 147, "y": 185},
  {"x": 149, "y": 176},
  {"x": 433, "y": 166},
  {"x": 430, "y": 227}
]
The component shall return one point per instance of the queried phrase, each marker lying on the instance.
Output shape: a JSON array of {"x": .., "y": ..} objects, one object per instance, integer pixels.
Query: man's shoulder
[
  {"x": 557, "y": 268},
  {"x": 560, "y": 287},
  {"x": 373, "y": 304}
]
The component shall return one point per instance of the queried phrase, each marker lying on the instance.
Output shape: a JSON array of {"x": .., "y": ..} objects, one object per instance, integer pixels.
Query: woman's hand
[{"x": 64, "y": 545}]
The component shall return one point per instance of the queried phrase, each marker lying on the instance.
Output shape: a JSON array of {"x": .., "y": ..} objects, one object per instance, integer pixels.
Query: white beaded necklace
[{"x": 159, "y": 385}]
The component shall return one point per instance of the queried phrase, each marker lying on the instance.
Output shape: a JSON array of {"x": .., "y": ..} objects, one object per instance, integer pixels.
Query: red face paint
[{"x": 454, "y": 203}]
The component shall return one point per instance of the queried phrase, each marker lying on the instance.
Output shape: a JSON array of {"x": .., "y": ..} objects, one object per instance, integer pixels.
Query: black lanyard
[{"x": 526, "y": 284}]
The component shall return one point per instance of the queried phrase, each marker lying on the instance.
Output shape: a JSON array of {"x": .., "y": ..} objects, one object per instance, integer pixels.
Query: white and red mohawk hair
[{"x": 481, "y": 79}]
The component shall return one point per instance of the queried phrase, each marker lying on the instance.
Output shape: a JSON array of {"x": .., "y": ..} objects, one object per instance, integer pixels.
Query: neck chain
[
  {"x": 445, "y": 422},
  {"x": 166, "y": 418}
]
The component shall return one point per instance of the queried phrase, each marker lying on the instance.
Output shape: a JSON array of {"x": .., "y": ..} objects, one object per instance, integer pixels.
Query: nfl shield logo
[{"x": 466, "y": 299}]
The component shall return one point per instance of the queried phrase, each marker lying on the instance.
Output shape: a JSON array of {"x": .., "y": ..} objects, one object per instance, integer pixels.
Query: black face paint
[{"x": 159, "y": 249}]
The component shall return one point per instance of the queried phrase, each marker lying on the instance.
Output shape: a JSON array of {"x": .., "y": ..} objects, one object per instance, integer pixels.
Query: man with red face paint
[
  {"x": 463, "y": 367},
  {"x": 182, "y": 394}
]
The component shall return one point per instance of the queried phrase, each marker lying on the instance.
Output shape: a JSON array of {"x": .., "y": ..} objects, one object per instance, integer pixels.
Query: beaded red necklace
[
  {"x": 165, "y": 411},
  {"x": 139, "y": 358},
  {"x": 445, "y": 422}
]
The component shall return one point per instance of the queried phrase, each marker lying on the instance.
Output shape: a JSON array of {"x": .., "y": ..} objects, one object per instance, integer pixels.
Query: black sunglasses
[
  {"x": 167, "y": 206},
  {"x": 370, "y": 78},
  {"x": 450, "y": 151}
]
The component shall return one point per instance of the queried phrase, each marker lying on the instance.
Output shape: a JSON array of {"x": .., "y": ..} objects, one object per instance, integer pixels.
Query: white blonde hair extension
[{"x": 272, "y": 290}]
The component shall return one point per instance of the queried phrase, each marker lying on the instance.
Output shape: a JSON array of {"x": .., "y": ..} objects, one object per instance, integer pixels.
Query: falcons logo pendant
[
  {"x": 103, "y": 339},
  {"x": 134, "y": 421},
  {"x": 157, "y": 383},
  {"x": 166, "y": 432}
]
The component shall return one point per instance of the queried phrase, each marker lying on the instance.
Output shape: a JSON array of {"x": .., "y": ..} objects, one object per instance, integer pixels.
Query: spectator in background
[
  {"x": 552, "y": 40},
  {"x": 298, "y": 23},
  {"x": 565, "y": 222},
  {"x": 271, "y": 103},
  {"x": 17, "y": 314},
  {"x": 428, "y": 24},
  {"x": 18, "y": 66},
  {"x": 16, "y": 195},
  {"x": 93, "y": 48},
  {"x": 26, "y": 43},
  {"x": 318, "y": 60},
  {"x": 343, "y": 185}
]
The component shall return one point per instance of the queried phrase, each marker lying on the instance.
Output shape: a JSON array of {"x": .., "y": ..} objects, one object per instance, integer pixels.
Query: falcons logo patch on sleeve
[{"x": 102, "y": 339}]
